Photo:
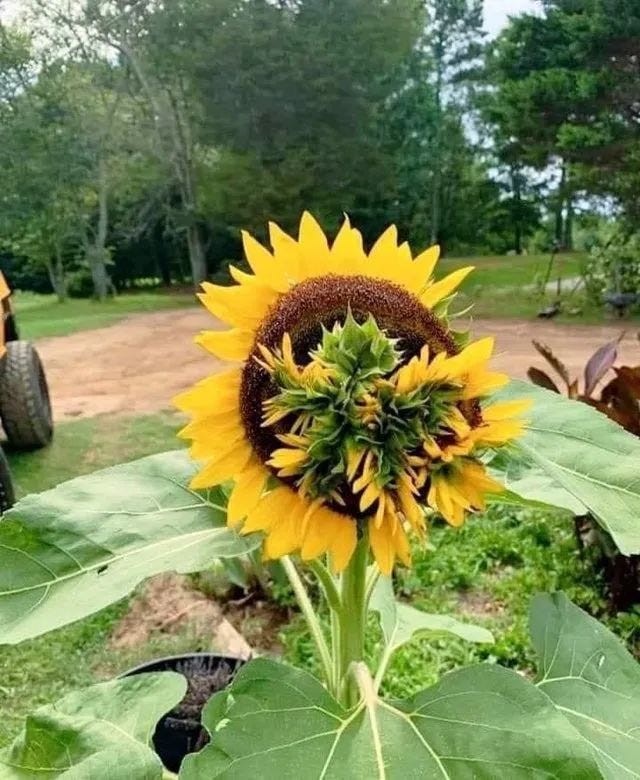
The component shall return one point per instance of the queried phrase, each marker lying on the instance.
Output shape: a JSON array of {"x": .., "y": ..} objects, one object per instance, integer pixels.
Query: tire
[
  {"x": 25, "y": 408},
  {"x": 7, "y": 495}
]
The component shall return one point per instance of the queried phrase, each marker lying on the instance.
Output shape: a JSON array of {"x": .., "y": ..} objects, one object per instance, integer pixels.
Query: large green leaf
[
  {"x": 482, "y": 722},
  {"x": 401, "y": 623},
  {"x": 586, "y": 454},
  {"x": 102, "y": 732},
  {"x": 527, "y": 483},
  {"x": 71, "y": 551},
  {"x": 586, "y": 671}
]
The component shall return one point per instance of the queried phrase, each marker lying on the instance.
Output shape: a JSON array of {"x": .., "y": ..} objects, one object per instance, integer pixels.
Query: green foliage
[
  {"x": 401, "y": 624},
  {"x": 589, "y": 676},
  {"x": 585, "y": 454},
  {"x": 449, "y": 730},
  {"x": 566, "y": 83},
  {"x": 614, "y": 265},
  {"x": 82, "y": 734},
  {"x": 486, "y": 573},
  {"x": 44, "y": 569}
]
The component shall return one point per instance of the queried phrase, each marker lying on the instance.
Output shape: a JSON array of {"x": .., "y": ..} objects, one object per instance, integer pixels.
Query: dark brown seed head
[{"x": 324, "y": 301}]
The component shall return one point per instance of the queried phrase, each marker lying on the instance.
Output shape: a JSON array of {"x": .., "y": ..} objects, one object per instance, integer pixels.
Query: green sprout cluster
[{"x": 350, "y": 403}]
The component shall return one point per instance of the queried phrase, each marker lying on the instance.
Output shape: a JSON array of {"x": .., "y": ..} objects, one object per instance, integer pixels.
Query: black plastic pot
[{"x": 180, "y": 731}]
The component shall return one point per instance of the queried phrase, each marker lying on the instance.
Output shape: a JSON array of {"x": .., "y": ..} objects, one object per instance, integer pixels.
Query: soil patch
[
  {"x": 479, "y": 604},
  {"x": 168, "y": 605},
  {"x": 137, "y": 365}
]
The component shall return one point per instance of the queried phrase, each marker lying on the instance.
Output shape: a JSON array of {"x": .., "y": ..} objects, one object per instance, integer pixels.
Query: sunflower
[{"x": 354, "y": 408}]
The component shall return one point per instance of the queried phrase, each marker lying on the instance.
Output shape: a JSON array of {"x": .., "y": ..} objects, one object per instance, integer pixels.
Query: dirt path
[{"x": 139, "y": 364}]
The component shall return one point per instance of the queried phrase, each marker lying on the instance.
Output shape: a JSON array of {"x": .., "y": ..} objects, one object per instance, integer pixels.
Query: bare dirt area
[{"x": 137, "y": 365}]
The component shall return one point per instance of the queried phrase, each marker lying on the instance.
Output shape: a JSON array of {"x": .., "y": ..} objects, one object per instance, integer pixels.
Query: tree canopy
[{"x": 136, "y": 139}]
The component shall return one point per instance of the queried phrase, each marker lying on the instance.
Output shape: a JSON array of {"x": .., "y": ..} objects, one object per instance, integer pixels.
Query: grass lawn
[
  {"x": 507, "y": 287},
  {"x": 41, "y": 315},
  {"x": 499, "y": 287}
]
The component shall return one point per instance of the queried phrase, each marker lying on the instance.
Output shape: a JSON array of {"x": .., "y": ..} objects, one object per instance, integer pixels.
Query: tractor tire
[
  {"x": 7, "y": 495},
  {"x": 25, "y": 408}
]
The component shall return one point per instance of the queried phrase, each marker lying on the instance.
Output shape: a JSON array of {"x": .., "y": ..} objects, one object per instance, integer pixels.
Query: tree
[
  {"x": 293, "y": 91},
  {"x": 452, "y": 41},
  {"x": 568, "y": 89}
]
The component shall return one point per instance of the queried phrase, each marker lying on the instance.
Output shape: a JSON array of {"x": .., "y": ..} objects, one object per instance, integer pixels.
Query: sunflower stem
[
  {"x": 328, "y": 583},
  {"x": 310, "y": 616},
  {"x": 353, "y": 618}
]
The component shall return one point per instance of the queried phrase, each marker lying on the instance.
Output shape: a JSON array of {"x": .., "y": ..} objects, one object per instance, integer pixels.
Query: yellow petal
[
  {"x": 223, "y": 467},
  {"x": 422, "y": 268},
  {"x": 219, "y": 425},
  {"x": 287, "y": 253},
  {"x": 314, "y": 248},
  {"x": 268, "y": 509},
  {"x": 403, "y": 550},
  {"x": 347, "y": 253},
  {"x": 382, "y": 253},
  {"x": 439, "y": 497},
  {"x": 473, "y": 481},
  {"x": 286, "y": 457},
  {"x": 475, "y": 354},
  {"x": 243, "y": 306},
  {"x": 410, "y": 507},
  {"x": 343, "y": 541},
  {"x": 382, "y": 546},
  {"x": 285, "y": 534},
  {"x": 496, "y": 433},
  {"x": 206, "y": 447},
  {"x": 354, "y": 458},
  {"x": 481, "y": 382},
  {"x": 506, "y": 409},
  {"x": 246, "y": 492},
  {"x": 436, "y": 292},
  {"x": 227, "y": 344},
  {"x": 263, "y": 264},
  {"x": 371, "y": 493},
  {"x": 218, "y": 392}
]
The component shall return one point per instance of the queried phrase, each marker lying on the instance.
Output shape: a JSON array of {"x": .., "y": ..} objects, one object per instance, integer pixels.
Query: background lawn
[
  {"x": 499, "y": 287},
  {"x": 41, "y": 315},
  {"x": 509, "y": 287}
]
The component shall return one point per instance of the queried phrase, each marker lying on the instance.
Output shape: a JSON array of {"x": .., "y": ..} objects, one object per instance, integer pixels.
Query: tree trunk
[
  {"x": 517, "y": 211},
  {"x": 436, "y": 191},
  {"x": 57, "y": 277},
  {"x": 560, "y": 199},
  {"x": 163, "y": 262},
  {"x": 99, "y": 275},
  {"x": 196, "y": 254},
  {"x": 567, "y": 239},
  {"x": 97, "y": 254},
  {"x": 182, "y": 148}
]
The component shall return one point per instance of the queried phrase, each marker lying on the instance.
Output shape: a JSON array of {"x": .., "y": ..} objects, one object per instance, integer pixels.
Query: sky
[{"x": 495, "y": 11}]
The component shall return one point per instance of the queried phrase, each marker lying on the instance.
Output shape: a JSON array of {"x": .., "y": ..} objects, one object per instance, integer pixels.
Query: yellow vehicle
[{"x": 25, "y": 408}]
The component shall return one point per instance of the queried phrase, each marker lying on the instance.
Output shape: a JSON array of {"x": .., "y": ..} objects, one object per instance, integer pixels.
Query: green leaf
[
  {"x": 100, "y": 732},
  {"x": 71, "y": 551},
  {"x": 482, "y": 722},
  {"x": 586, "y": 454},
  {"x": 401, "y": 623},
  {"x": 591, "y": 678},
  {"x": 528, "y": 485}
]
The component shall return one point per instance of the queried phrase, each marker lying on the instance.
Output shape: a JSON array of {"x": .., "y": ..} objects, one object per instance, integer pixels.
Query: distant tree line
[{"x": 137, "y": 138}]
